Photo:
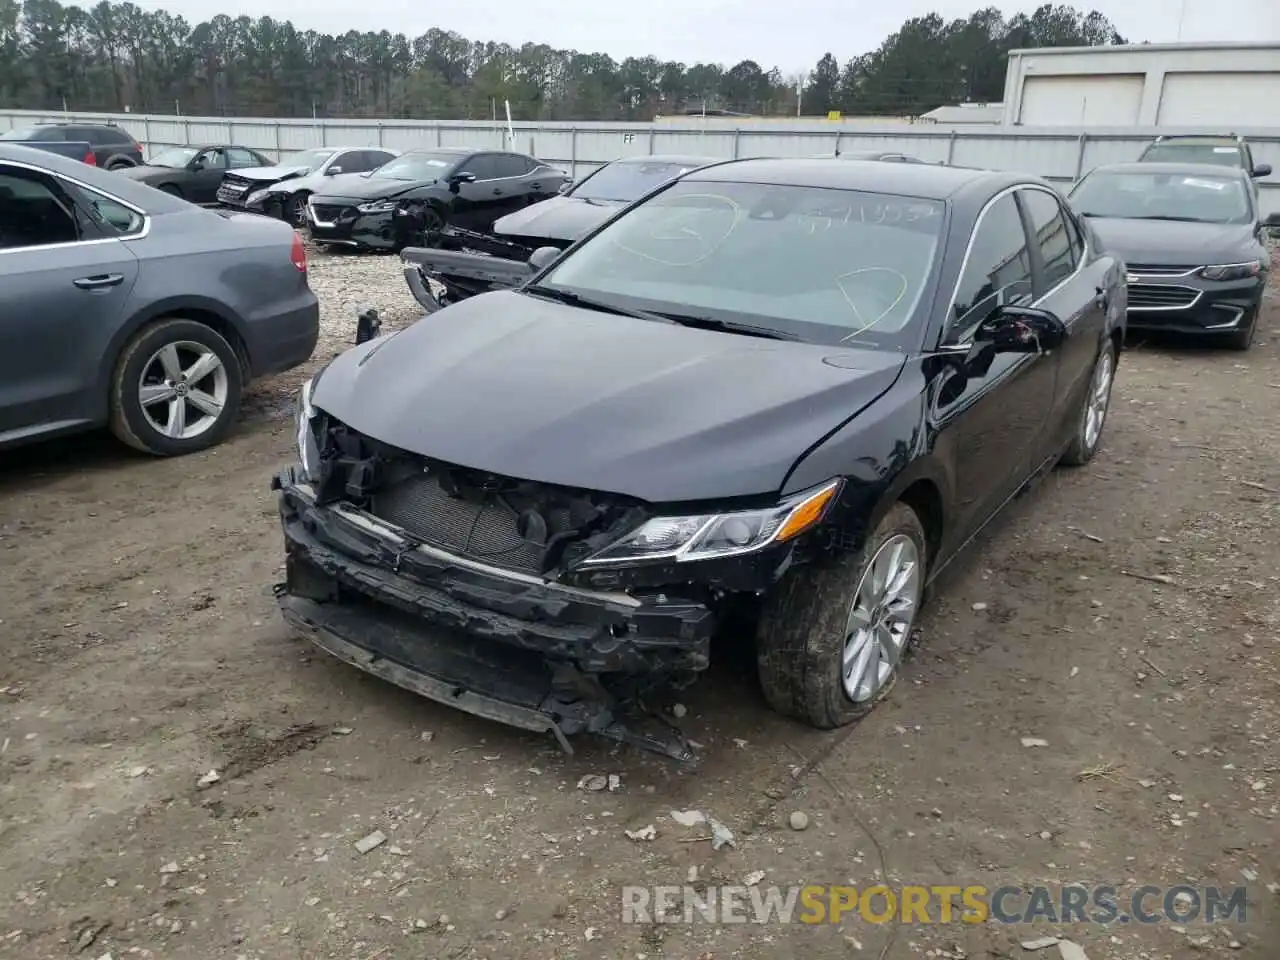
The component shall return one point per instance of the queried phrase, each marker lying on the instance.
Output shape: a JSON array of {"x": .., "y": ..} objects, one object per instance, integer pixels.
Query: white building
[{"x": 1221, "y": 85}]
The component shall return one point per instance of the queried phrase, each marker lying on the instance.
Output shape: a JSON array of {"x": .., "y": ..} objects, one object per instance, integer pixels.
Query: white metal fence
[{"x": 1061, "y": 154}]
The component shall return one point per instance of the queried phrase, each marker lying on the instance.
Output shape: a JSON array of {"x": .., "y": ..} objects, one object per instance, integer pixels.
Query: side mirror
[
  {"x": 1262, "y": 170},
  {"x": 543, "y": 257},
  {"x": 1011, "y": 329},
  {"x": 332, "y": 171},
  {"x": 565, "y": 187},
  {"x": 197, "y": 165},
  {"x": 456, "y": 180}
]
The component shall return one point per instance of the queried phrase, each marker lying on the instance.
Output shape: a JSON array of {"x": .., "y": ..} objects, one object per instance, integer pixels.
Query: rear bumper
[
  {"x": 284, "y": 339},
  {"x": 346, "y": 561}
]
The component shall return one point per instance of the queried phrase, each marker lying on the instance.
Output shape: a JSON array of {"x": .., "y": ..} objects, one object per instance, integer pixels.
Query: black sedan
[
  {"x": 195, "y": 173},
  {"x": 1193, "y": 241},
  {"x": 593, "y": 199},
  {"x": 791, "y": 389},
  {"x": 420, "y": 191}
]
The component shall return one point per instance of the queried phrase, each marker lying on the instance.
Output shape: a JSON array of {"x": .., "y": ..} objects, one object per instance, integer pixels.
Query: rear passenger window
[
  {"x": 512, "y": 165},
  {"x": 1051, "y": 236},
  {"x": 998, "y": 271}
]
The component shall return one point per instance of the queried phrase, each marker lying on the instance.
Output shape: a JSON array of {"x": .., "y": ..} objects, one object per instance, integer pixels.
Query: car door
[
  {"x": 989, "y": 422},
  {"x": 66, "y": 279},
  {"x": 474, "y": 204},
  {"x": 206, "y": 171},
  {"x": 1071, "y": 287},
  {"x": 520, "y": 188}
]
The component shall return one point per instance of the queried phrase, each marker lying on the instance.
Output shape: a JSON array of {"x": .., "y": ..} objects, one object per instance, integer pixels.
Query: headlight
[
  {"x": 1232, "y": 271},
  {"x": 377, "y": 206},
  {"x": 308, "y": 446},
  {"x": 256, "y": 196},
  {"x": 714, "y": 535}
]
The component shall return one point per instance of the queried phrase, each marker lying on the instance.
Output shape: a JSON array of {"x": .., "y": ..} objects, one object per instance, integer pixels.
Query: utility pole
[{"x": 1182, "y": 16}]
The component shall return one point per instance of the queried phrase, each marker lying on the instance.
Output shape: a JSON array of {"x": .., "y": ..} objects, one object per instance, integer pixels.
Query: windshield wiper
[
  {"x": 578, "y": 300},
  {"x": 1156, "y": 216},
  {"x": 729, "y": 326}
]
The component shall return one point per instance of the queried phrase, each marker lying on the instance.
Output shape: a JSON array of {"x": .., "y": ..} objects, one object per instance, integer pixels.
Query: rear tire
[
  {"x": 1242, "y": 339},
  {"x": 118, "y": 163},
  {"x": 819, "y": 626},
  {"x": 175, "y": 389},
  {"x": 1093, "y": 409}
]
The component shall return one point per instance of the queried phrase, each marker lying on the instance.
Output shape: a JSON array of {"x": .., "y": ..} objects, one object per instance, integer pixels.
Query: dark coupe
[
  {"x": 1193, "y": 242},
  {"x": 195, "y": 173},
  {"x": 791, "y": 389},
  {"x": 422, "y": 190}
]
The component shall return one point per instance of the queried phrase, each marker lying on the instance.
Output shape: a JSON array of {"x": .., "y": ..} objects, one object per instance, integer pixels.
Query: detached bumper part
[{"x": 518, "y": 651}]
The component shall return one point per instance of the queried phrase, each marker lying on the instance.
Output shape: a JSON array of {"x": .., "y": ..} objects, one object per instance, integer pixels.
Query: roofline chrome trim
[{"x": 977, "y": 224}]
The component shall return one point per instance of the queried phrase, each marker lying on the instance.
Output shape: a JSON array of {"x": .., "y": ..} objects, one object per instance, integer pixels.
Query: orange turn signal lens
[{"x": 807, "y": 513}]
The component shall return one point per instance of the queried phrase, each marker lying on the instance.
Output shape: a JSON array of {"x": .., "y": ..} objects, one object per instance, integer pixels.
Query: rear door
[
  {"x": 66, "y": 280},
  {"x": 1071, "y": 287},
  {"x": 992, "y": 422}
]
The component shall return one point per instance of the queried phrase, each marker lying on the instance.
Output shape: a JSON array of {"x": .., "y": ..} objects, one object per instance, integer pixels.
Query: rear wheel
[
  {"x": 1093, "y": 411},
  {"x": 1242, "y": 339},
  {"x": 831, "y": 638},
  {"x": 176, "y": 388},
  {"x": 118, "y": 163}
]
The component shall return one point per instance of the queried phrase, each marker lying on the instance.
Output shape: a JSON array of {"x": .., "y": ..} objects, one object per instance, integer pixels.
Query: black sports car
[
  {"x": 787, "y": 390},
  {"x": 1193, "y": 241},
  {"x": 422, "y": 190},
  {"x": 195, "y": 173}
]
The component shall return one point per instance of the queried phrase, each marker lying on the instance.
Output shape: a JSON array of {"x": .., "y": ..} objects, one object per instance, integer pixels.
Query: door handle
[
  {"x": 99, "y": 282},
  {"x": 497, "y": 192}
]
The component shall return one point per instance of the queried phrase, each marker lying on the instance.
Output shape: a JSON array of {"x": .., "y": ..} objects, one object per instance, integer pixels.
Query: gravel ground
[{"x": 1126, "y": 614}]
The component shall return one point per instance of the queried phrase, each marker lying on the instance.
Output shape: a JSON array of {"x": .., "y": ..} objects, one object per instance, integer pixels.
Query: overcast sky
[{"x": 791, "y": 35}]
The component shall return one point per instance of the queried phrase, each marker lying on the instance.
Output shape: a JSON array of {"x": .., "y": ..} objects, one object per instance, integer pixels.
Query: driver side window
[
  {"x": 997, "y": 273},
  {"x": 212, "y": 160}
]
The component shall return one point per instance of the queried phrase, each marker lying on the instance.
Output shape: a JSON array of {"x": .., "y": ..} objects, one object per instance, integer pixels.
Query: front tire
[
  {"x": 295, "y": 210},
  {"x": 831, "y": 638},
  {"x": 1093, "y": 410},
  {"x": 176, "y": 388}
]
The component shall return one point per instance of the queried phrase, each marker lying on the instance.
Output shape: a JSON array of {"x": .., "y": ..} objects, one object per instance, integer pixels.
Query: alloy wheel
[
  {"x": 1099, "y": 399},
  {"x": 183, "y": 389},
  {"x": 881, "y": 618}
]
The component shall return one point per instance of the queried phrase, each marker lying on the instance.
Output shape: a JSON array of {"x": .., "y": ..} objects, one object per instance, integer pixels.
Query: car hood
[
  {"x": 1170, "y": 242},
  {"x": 268, "y": 174},
  {"x": 557, "y": 218},
  {"x": 357, "y": 187},
  {"x": 146, "y": 172},
  {"x": 518, "y": 386}
]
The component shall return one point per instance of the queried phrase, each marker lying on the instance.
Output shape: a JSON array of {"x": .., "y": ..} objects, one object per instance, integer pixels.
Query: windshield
[
  {"x": 311, "y": 159},
  {"x": 418, "y": 166},
  {"x": 178, "y": 157},
  {"x": 22, "y": 133},
  {"x": 1162, "y": 196},
  {"x": 624, "y": 181},
  {"x": 826, "y": 266},
  {"x": 1193, "y": 153}
]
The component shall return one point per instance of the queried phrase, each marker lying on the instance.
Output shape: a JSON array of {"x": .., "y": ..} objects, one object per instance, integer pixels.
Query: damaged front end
[
  {"x": 486, "y": 592},
  {"x": 459, "y": 274}
]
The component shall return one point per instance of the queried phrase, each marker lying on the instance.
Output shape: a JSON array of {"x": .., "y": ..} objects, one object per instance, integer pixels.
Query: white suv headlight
[
  {"x": 378, "y": 206},
  {"x": 716, "y": 535}
]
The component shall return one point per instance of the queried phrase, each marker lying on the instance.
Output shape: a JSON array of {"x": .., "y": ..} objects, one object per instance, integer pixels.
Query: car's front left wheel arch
[{"x": 832, "y": 635}]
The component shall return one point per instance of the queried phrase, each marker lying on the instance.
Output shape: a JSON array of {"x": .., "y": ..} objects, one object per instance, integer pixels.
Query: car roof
[
  {"x": 682, "y": 159},
  {"x": 1174, "y": 168},
  {"x": 1221, "y": 138},
  {"x": 924, "y": 180},
  {"x": 138, "y": 194}
]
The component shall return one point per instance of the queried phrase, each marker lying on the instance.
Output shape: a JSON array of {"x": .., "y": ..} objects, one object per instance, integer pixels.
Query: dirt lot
[{"x": 1125, "y": 613}]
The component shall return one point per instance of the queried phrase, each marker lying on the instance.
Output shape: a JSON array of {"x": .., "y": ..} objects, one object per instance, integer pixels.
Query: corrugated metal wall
[{"x": 1059, "y": 153}]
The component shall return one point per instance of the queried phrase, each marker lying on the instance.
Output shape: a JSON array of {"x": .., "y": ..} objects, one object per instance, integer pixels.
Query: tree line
[{"x": 116, "y": 56}]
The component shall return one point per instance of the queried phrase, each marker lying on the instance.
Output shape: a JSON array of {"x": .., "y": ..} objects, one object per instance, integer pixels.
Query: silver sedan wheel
[
  {"x": 881, "y": 619},
  {"x": 183, "y": 389},
  {"x": 1099, "y": 399}
]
